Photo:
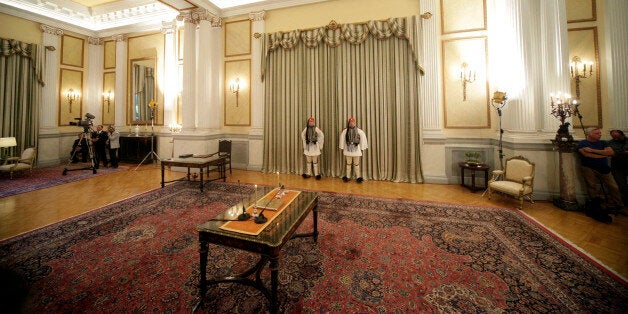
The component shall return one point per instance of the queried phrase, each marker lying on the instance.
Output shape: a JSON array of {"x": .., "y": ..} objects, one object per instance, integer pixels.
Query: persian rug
[
  {"x": 372, "y": 255},
  {"x": 45, "y": 177}
]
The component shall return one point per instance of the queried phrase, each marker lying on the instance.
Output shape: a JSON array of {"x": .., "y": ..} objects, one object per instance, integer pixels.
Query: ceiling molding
[{"x": 125, "y": 15}]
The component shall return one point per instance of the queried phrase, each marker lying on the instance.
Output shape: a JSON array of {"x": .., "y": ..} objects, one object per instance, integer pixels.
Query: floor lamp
[
  {"x": 174, "y": 129},
  {"x": 498, "y": 102},
  {"x": 152, "y": 153}
]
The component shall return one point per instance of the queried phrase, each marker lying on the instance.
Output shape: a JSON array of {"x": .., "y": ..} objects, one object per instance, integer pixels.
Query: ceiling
[{"x": 107, "y": 17}]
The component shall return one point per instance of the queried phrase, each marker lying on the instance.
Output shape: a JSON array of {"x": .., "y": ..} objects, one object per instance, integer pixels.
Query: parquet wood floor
[{"x": 21, "y": 213}]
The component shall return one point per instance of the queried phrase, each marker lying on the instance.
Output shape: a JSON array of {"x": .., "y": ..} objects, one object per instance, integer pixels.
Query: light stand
[
  {"x": 152, "y": 139},
  {"x": 498, "y": 102}
]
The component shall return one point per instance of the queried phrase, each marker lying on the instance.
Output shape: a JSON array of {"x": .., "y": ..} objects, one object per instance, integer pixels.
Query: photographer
[
  {"x": 99, "y": 138},
  {"x": 79, "y": 147}
]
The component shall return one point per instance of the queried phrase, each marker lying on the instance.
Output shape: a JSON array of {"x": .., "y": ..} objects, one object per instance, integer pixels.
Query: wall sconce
[
  {"x": 174, "y": 129},
  {"x": 467, "y": 75},
  {"x": 107, "y": 98},
  {"x": 234, "y": 86},
  {"x": 72, "y": 96},
  {"x": 579, "y": 70}
]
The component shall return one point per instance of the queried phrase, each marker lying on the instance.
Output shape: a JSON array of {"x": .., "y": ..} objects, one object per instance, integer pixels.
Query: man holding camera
[{"x": 99, "y": 138}]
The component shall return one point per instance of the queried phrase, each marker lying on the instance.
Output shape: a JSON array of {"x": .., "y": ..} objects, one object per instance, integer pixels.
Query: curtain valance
[
  {"x": 335, "y": 34},
  {"x": 34, "y": 52}
]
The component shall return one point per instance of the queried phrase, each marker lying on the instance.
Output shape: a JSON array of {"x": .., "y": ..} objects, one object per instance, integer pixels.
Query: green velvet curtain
[
  {"x": 368, "y": 71},
  {"x": 21, "y": 71}
]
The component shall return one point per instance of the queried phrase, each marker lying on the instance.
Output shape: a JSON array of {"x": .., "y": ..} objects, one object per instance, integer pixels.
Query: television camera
[{"x": 87, "y": 123}]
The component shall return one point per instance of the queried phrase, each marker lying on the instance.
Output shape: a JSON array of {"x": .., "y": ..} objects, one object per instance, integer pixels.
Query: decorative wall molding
[
  {"x": 257, "y": 16},
  {"x": 51, "y": 30},
  {"x": 95, "y": 40},
  {"x": 168, "y": 27},
  {"x": 119, "y": 38}
]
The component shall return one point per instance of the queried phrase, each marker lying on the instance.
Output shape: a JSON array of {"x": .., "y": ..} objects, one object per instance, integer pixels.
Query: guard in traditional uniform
[
  {"x": 313, "y": 140},
  {"x": 353, "y": 142}
]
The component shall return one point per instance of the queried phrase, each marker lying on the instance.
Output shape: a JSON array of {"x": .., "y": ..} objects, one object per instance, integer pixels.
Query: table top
[
  {"x": 276, "y": 233},
  {"x": 473, "y": 166},
  {"x": 193, "y": 161}
]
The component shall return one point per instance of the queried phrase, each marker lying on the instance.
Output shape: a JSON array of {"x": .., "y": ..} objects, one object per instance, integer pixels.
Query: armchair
[
  {"x": 22, "y": 163},
  {"x": 224, "y": 150},
  {"x": 517, "y": 180}
]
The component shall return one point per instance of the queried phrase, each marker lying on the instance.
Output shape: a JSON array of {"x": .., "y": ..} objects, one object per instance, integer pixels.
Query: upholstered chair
[
  {"x": 517, "y": 180},
  {"x": 22, "y": 163}
]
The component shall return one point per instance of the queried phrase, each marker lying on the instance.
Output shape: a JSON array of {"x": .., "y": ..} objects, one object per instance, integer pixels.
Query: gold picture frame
[
  {"x": 238, "y": 38},
  {"x": 70, "y": 111},
  {"x": 72, "y": 49},
  {"x": 462, "y": 16}
]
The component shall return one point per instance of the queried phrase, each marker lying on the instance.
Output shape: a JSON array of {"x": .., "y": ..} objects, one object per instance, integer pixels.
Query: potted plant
[{"x": 472, "y": 158}]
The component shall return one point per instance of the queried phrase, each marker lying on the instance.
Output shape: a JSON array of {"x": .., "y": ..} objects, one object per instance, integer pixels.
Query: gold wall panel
[
  {"x": 581, "y": 10},
  {"x": 237, "y": 38},
  {"x": 109, "y": 107},
  {"x": 70, "y": 79},
  {"x": 72, "y": 50},
  {"x": 110, "y": 54},
  {"x": 462, "y": 16},
  {"x": 474, "y": 111},
  {"x": 238, "y": 106},
  {"x": 583, "y": 42}
]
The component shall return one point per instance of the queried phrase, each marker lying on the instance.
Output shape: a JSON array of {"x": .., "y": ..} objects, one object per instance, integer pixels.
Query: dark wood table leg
[
  {"x": 202, "y": 282},
  {"x": 315, "y": 217},
  {"x": 486, "y": 179},
  {"x": 462, "y": 176},
  {"x": 162, "y": 175},
  {"x": 473, "y": 180},
  {"x": 201, "y": 174},
  {"x": 274, "y": 282}
]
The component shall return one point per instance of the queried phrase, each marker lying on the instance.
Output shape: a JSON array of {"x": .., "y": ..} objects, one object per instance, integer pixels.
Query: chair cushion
[
  {"x": 15, "y": 167},
  {"x": 517, "y": 169},
  {"x": 509, "y": 187}
]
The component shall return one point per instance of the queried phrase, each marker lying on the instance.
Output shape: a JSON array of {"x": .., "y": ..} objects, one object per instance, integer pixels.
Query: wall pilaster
[{"x": 49, "y": 112}]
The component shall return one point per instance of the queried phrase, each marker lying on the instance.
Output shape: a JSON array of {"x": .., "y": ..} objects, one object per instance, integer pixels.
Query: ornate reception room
[{"x": 313, "y": 156}]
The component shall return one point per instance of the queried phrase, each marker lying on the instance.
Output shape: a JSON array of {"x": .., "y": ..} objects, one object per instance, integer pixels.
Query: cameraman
[
  {"x": 79, "y": 147},
  {"x": 99, "y": 138}
]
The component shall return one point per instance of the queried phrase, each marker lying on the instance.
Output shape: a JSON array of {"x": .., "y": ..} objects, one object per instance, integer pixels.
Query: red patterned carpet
[
  {"x": 373, "y": 255},
  {"x": 42, "y": 178}
]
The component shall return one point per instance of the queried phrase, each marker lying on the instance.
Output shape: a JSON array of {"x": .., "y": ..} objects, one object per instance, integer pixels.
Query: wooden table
[
  {"x": 202, "y": 164},
  {"x": 473, "y": 167},
  {"x": 268, "y": 243}
]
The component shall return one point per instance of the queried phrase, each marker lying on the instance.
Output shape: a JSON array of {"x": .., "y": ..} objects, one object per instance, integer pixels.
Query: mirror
[{"x": 143, "y": 89}]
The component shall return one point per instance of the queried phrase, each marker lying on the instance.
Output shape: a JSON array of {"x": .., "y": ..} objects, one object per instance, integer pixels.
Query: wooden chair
[
  {"x": 517, "y": 180},
  {"x": 22, "y": 163},
  {"x": 224, "y": 150}
]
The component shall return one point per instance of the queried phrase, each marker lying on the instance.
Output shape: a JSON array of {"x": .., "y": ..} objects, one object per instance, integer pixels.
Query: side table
[{"x": 473, "y": 168}]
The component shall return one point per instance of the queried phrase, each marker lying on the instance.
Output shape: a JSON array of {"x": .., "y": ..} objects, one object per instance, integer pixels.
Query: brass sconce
[
  {"x": 107, "y": 98},
  {"x": 467, "y": 75},
  {"x": 234, "y": 86},
  {"x": 72, "y": 96},
  {"x": 579, "y": 70}
]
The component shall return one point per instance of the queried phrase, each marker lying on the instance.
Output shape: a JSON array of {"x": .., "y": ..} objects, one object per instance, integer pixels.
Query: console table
[
  {"x": 473, "y": 168},
  {"x": 134, "y": 148}
]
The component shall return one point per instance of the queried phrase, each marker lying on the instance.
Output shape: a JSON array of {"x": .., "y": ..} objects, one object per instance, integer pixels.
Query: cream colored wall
[
  {"x": 346, "y": 11},
  {"x": 20, "y": 29}
]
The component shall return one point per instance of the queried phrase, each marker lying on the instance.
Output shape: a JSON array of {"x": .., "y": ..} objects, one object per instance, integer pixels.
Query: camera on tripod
[{"x": 86, "y": 123}]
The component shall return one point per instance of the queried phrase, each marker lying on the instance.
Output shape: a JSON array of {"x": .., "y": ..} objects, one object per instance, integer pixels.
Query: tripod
[
  {"x": 152, "y": 153},
  {"x": 90, "y": 151}
]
